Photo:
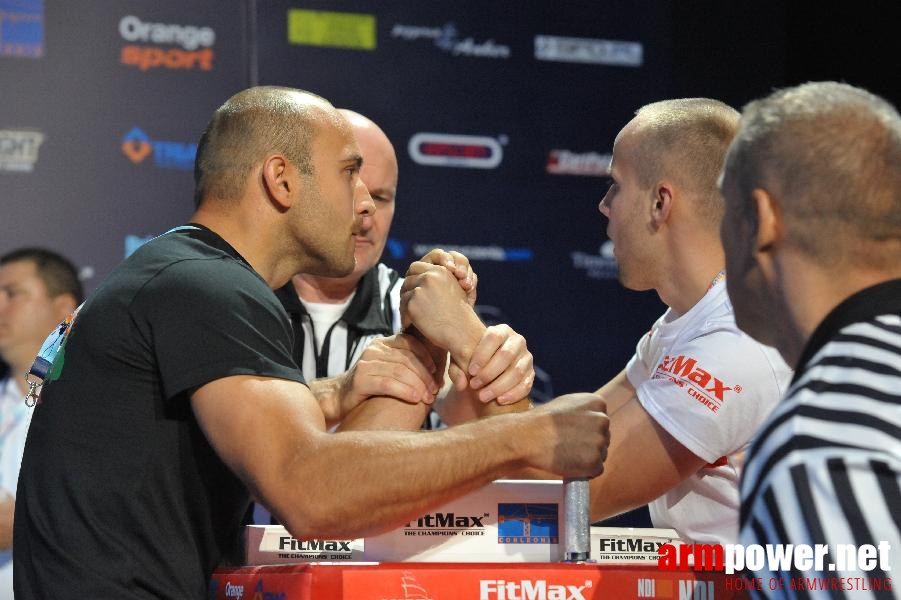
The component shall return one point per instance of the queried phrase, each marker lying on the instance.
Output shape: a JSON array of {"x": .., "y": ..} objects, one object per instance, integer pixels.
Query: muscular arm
[
  {"x": 388, "y": 413},
  {"x": 390, "y": 387},
  {"x": 491, "y": 367},
  {"x": 617, "y": 392},
  {"x": 499, "y": 379},
  {"x": 644, "y": 460},
  {"x": 496, "y": 358},
  {"x": 352, "y": 484}
]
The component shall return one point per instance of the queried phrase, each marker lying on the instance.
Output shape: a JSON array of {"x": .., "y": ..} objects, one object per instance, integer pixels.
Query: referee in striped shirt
[{"x": 812, "y": 235}]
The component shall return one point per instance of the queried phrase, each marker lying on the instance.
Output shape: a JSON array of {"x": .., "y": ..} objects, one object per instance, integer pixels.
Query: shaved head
[
  {"x": 685, "y": 139},
  {"x": 379, "y": 175},
  {"x": 374, "y": 143},
  {"x": 248, "y": 126}
]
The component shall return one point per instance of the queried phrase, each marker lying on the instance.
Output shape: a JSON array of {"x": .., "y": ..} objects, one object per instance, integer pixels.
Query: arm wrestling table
[
  {"x": 465, "y": 581},
  {"x": 499, "y": 543}
]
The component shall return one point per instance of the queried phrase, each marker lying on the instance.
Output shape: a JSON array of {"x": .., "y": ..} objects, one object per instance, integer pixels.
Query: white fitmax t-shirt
[{"x": 710, "y": 386}]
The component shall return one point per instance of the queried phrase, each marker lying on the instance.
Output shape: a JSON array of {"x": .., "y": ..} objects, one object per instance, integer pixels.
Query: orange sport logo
[
  {"x": 168, "y": 46},
  {"x": 699, "y": 383}
]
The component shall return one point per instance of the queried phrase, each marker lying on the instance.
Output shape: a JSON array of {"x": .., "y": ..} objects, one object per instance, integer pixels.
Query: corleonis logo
[
  {"x": 702, "y": 385},
  {"x": 137, "y": 146},
  {"x": 22, "y": 28},
  {"x": 195, "y": 43},
  {"x": 527, "y": 523},
  {"x": 447, "y": 150}
]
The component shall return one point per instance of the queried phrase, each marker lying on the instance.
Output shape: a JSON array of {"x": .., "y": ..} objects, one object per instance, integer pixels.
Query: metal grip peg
[{"x": 577, "y": 520}]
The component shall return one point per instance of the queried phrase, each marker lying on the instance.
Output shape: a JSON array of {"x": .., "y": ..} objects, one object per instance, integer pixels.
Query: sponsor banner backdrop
[
  {"x": 503, "y": 123},
  {"x": 103, "y": 103}
]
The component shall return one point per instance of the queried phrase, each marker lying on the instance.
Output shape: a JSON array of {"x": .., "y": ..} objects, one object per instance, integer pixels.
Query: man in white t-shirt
[
  {"x": 697, "y": 388},
  {"x": 38, "y": 289}
]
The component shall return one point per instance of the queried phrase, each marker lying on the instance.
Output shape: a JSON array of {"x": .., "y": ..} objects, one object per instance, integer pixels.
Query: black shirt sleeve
[{"x": 207, "y": 321}]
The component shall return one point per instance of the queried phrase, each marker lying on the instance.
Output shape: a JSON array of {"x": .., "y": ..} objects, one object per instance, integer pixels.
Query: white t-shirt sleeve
[
  {"x": 640, "y": 367},
  {"x": 710, "y": 393}
]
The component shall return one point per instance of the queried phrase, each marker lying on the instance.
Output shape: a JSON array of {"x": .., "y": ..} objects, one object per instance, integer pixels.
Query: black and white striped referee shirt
[
  {"x": 373, "y": 312},
  {"x": 825, "y": 467}
]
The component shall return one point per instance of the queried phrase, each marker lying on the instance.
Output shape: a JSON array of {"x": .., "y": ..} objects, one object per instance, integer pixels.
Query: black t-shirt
[{"x": 120, "y": 494}]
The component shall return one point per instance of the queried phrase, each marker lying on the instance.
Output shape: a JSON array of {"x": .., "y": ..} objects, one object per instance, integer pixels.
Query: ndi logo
[
  {"x": 688, "y": 589},
  {"x": 137, "y": 146},
  {"x": 527, "y": 523}
]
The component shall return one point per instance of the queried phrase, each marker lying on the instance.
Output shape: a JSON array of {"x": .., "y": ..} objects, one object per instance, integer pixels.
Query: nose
[
  {"x": 363, "y": 202},
  {"x": 603, "y": 207}
]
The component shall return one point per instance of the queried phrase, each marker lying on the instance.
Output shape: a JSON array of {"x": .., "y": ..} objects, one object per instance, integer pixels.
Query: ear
[
  {"x": 663, "y": 203},
  {"x": 63, "y": 306},
  {"x": 769, "y": 220},
  {"x": 277, "y": 181}
]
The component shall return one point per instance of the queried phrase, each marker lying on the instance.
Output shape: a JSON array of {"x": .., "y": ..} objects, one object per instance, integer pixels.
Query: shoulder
[
  {"x": 216, "y": 277},
  {"x": 197, "y": 280},
  {"x": 183, "y": 260},
  {"x": 716, "y": 340},
  {"x": 732, "y": 355}
]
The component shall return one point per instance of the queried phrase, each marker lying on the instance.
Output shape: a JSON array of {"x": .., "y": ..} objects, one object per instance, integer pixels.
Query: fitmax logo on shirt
[
  {"x": 681, "y": 369},
  {"x": 137, "y": 146}
]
